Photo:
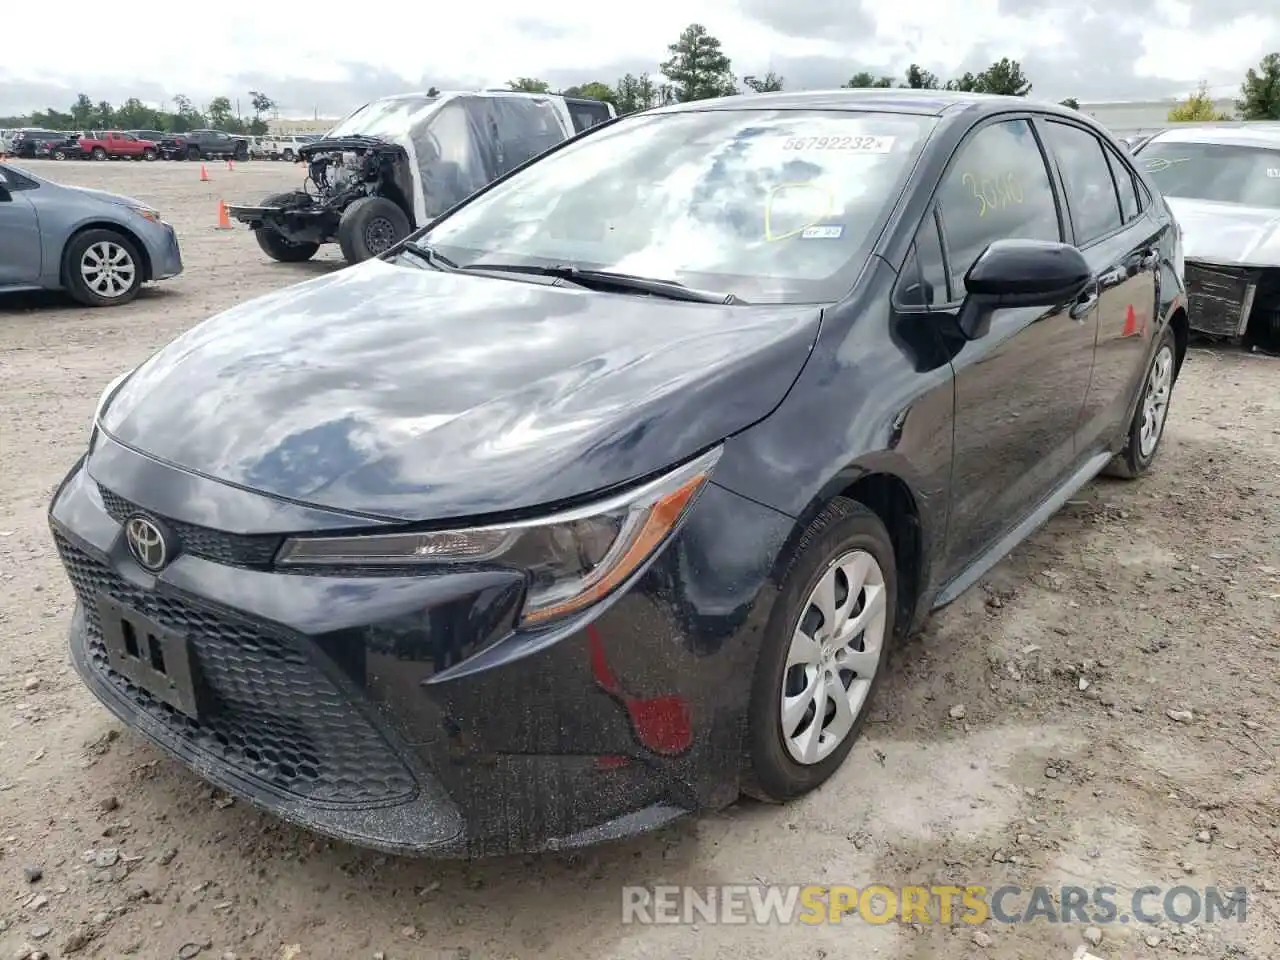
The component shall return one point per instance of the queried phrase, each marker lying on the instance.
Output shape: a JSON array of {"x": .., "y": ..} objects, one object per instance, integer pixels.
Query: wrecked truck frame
[{"x": 395, "y": 164}]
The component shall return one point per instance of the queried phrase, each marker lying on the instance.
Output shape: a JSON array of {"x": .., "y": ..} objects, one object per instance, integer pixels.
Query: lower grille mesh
[{"x": 273, "y": 716}]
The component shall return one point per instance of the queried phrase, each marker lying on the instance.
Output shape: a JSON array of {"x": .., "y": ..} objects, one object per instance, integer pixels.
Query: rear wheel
[
  {"x": 370, "y": 226},
  {"x": 241, "y": 152},
  {"x": 102, "y": 268},
  {"x": 59, "y": 154},
  {"x": 824, "y": 653},
  {"x": 288, "y": 155},
  {"x": 1147, "y": 427},
  {"x": 99, "y": 153}
]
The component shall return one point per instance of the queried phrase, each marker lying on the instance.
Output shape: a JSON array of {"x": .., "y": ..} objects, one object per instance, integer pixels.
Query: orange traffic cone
[
  {"x": 204, "y": 174},
  {"x": 224, "y": 221}
]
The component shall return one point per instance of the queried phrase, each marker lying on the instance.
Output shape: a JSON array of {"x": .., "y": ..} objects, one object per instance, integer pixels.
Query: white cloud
[{"x": 326, "y": 58}]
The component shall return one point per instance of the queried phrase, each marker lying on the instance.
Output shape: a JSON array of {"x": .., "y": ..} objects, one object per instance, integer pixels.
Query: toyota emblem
[{"x": 146, "y": 543}]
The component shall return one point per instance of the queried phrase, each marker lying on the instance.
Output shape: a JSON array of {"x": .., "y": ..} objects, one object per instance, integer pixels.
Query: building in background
[
  {"x": 284, "y": 127},
  {"x": 1126, "y": 117}
]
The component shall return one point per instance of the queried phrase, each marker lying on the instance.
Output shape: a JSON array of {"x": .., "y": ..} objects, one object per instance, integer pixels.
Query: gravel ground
[{"x": 1101, "y": 711}]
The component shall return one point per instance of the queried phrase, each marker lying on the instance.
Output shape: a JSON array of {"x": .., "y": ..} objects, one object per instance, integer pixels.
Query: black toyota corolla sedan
[{"x": 604, "y": 497}]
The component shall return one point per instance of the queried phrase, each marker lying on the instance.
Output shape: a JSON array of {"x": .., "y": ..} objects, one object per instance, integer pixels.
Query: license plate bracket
[{"x": 152, "y": 656}]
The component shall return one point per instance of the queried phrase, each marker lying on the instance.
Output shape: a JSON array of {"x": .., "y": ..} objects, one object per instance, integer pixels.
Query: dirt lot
[{"x": 1025, "y": 738}]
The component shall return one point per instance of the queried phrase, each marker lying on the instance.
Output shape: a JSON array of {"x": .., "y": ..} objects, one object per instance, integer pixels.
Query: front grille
[
  {"x": 1216, "y": 298},
  {"x": 237, "y": 550},
  {"x": 269, "y": 713}
]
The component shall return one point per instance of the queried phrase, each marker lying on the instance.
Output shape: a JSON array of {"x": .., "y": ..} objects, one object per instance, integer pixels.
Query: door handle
[{"x": 1085, "y": 302}]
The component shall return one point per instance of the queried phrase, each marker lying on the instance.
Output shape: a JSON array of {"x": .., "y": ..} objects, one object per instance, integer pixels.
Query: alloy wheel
[
  {"x": 835, "y": 651},
  {"x": 108, "y": 269},
  {"x": 1155, "y": 401},
  {"x": 379, "y": 235}
]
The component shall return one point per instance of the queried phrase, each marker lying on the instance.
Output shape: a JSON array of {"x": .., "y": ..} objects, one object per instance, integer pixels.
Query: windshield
[
  {"x": 779, "y": 206},
  {"x": 387, "y": 118},
  {"x": 1214, "y": 171}
]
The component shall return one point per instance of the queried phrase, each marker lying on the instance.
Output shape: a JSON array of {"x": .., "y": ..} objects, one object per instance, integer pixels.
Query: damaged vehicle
[
  {"x": 1223, "y": 185},
  {"x": 397, "y": 163}
]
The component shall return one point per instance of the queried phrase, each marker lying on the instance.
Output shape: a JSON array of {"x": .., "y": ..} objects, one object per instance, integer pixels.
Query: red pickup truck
[{"x": 115, "y": 145}]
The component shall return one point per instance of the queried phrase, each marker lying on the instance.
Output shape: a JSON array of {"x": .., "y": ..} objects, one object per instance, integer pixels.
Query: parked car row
[{"x": 34, "y": 143}]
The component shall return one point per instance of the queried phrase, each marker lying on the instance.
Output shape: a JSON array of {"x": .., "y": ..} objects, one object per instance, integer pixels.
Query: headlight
[
  {"x": 572, "y": 559},
  {"x": 105, "y": 400}
]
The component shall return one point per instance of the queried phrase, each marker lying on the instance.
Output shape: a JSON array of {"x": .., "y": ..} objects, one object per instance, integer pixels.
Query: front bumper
[
  {"x": 163, "y": 249},
  {"x": 401, "y": 712}
]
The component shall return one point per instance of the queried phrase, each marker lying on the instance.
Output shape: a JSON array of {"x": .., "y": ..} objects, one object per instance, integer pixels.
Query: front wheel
[
  {"x": 288, "y": 155},
  {"x": 1146, "y": 429},
  {"x": 286, "y": 251},
  {"x": 59, "y": 154},
  {"x": 823, "y": 655},
  {"x": 370, "y": 226},
  {"x": 102, "y": 268},
  {"x": 149, "y": 155},
  {"x": 193, "y": 153}
]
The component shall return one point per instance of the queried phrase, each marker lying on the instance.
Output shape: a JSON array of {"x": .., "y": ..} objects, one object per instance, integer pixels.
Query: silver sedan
[{"x": 99, "y": 247}]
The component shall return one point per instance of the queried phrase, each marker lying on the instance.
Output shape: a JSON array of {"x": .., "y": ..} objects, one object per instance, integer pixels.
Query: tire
[
  {"x": 102, "y": 247},
  {"x": 369, "y": 226},
  {"x": 59, "y": 154},
  {"x": 288, "y": 155},
  {"x": 149, "y": 156},
  {"x": 1138, "y": 455},
  {"x": 193, "y": 153},
  {"x": 844, "y": 538},
  {"x": 241, "y": 153},
  {"x": 99, "y": 153},
  {"x": 286, "y": 251}
]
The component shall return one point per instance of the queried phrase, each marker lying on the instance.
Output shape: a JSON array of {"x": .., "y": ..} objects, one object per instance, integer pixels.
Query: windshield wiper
[
  {"x": 605, "y": 279},
  {"x": 433, "y": 257}
]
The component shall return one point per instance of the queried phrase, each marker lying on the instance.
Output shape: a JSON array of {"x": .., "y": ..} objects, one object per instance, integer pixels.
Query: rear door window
[
  {"x": 587, "y": 115},
  {"x": 1086, "y": 175}
]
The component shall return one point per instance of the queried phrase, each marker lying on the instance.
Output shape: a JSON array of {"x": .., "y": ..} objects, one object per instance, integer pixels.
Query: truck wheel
[
  {"x": 59, "y": 154},
  {"x": 102, "y": 268},
  {"x": 99, "y": 153},
  {"x": 241, "y": 153},
  {"x": 148, "y": 155},
  {"x": 288, "y": 154},
  {"x": 286, "y": 251},
  {"x": 369, "y": 227},
  {"x": 193, "y": 153}
]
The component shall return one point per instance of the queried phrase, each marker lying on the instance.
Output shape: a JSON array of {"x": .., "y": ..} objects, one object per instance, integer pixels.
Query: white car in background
[
  {"x": 285, "y": 148},
  {"x": 1223, "y": 186}
]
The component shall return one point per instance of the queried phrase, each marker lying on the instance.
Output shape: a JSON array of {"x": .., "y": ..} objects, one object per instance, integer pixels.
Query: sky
[{"x": 325, "y": 60}]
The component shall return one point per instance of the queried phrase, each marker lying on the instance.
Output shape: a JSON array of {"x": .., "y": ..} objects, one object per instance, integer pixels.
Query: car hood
[
  {"x": 1228, "y": 233},
  {"x": 414, "y": 394},
  {"x": 103, "y": 195}
]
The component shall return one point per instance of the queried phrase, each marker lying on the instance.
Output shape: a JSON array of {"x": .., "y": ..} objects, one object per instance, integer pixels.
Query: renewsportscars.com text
[{"x": 973, "y": 904}]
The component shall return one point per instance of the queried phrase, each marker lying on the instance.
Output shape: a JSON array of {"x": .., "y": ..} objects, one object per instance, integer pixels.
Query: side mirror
[{"x": 1020, "y": 273}]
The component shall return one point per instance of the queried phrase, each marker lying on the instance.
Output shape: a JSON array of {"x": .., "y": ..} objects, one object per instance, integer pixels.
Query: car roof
[
  {"x": 933, "y": 103},
  {"x": 1254, "y": 134}
]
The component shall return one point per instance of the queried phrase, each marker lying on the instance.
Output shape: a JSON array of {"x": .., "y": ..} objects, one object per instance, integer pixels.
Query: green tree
[
  {"x": 1197, "y": 108},
  {"x": 104, "y": 115},
  {"x": 82, "y": 111},
  {"x": 219, "y": 113},
  {"x": 529, "y": 85},
  {"x": 1071, "y": 102},
  {"x": 595, "y": 90},
  {"x": 1260, "y": 92},
  {"x": 865, "y": 79},
  {"x": 698, "y": 69},
  {"x": 185, "y": 116},
  {"x": 769, "y": 83},
  {"x": 635, "y": 93},
  {"x": 918, "y": 78},
  {"x": 1003, "y": 77}
]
